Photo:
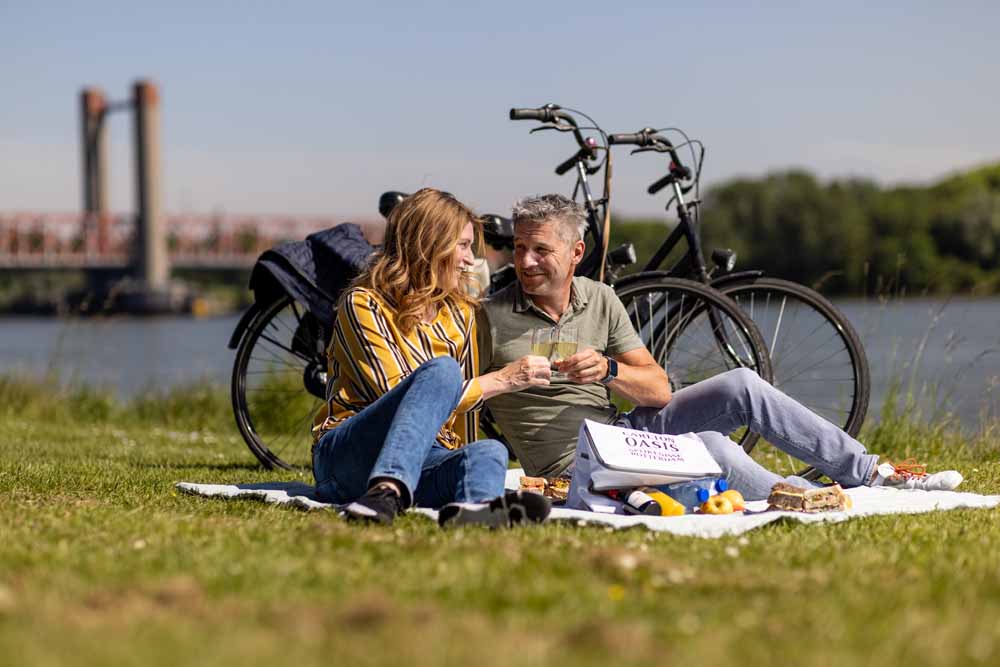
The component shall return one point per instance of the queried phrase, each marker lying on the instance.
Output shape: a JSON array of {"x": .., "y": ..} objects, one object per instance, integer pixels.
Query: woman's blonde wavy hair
[{"x": 410, "y": 271}]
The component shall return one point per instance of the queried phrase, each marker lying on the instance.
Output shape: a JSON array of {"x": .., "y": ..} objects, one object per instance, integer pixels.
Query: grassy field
[{"x": 102, "y": 562}]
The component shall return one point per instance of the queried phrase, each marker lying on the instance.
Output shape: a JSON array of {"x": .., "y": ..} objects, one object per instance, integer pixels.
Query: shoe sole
[
  {"x": 364, "y": 514},
  {"x": 512, "y": 508}
]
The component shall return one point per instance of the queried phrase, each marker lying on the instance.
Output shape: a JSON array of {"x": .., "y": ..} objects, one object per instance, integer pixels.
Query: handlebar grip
[
  {"x": 635, "y": 138},
  {"x": 530, "y": 114},
  {"x": 567, "y": 165},
  {"x": 660, "y": 184}
]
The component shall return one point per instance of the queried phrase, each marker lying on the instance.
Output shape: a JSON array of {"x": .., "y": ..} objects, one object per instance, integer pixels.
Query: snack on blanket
[
  {"x": 717, "y": 504},
  {"x": 536, "y": 484},
  {"x": 556, "y": 488},
  {"x": 796, "y": 499}
]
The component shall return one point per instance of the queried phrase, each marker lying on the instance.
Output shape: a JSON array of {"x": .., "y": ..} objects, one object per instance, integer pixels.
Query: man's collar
[{"x": 577, "y": 299}]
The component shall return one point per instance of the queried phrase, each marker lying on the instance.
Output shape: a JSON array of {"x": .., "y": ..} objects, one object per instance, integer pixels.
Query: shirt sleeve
[
  {"x": 472, "y": 392},
  {"x": 364, "y": 333},
  {"x": 622, "y": 337},
  {"x": 472, "y": 397}
]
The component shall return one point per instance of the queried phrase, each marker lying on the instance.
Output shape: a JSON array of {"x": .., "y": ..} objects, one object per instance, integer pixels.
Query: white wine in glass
[
  {"x": 555, "y": 344},
  {"x": 541, "y": 342}
]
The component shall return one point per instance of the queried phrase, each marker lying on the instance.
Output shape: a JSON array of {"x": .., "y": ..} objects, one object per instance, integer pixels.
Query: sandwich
[{"x": 791, "y": 498}]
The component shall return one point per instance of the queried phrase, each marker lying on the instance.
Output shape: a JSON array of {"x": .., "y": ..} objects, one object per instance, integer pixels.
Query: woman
[{"x": 402, "y": 396}]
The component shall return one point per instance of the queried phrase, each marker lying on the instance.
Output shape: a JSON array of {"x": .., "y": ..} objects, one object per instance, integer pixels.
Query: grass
[{"x": 102, "y": 562}]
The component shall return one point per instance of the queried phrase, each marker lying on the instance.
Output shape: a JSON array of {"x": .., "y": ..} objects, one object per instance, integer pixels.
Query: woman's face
[{"x": 464, "y": 258}]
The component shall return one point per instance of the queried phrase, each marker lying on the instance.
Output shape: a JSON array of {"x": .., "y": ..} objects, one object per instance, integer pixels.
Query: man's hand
[{"x": 584, "y": 367}]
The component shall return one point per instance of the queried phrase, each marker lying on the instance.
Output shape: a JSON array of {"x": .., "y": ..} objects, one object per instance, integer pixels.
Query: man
[{"x": 541, "y": 422}]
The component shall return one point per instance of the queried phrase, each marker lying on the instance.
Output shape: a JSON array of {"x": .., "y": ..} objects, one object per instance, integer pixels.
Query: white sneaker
[{"x": 899, "y": 477}]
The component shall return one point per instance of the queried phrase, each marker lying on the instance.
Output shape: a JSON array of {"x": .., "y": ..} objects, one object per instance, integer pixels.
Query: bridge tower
[
  {"x": 151, "y": 252},
  {"x": 149, "y": 265}
]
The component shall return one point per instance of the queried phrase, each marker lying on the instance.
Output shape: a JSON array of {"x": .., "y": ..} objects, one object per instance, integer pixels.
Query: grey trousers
[{"x": 715, "y": 407}]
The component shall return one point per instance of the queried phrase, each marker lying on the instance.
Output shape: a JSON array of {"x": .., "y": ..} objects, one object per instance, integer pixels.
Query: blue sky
[{"x": 317, "y": 107}]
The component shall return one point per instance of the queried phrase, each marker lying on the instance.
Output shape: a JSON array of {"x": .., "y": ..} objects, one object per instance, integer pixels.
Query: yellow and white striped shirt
[{"x": 369, "y": 355}]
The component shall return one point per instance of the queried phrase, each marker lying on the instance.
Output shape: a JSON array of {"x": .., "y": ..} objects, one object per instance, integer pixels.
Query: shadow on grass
[{"x": 171, "y": 465}]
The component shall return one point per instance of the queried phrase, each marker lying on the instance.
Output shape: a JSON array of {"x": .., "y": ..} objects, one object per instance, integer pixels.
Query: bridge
[
  {"x": 128, "y": 258},
  {"x": 34, "y": 241}
]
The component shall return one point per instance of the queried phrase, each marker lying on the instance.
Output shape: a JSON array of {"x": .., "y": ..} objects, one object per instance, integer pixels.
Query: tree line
[{"x": 851, "y": 236}]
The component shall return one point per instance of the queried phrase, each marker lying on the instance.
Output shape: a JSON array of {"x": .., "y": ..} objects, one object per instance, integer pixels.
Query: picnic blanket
[{"x": 867, "y": 502}]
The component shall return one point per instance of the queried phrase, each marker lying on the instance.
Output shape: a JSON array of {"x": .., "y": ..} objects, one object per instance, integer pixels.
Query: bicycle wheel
[
  {"x": 279, "y": 381},
  {"x": 694, "y": 332},
  {"x": 816, "y": 356}
]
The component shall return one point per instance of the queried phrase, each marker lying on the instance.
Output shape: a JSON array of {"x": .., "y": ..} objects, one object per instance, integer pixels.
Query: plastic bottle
[{"x": 692, "y": 493}]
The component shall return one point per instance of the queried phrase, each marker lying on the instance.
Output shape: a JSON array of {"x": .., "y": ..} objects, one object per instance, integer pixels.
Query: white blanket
[{"x": 867, "y": 502}]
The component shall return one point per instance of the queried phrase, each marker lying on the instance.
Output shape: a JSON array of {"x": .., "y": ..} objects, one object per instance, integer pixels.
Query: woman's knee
[
  {"x": 443, "y": 369},
  {"x": 488, "y": 451}
]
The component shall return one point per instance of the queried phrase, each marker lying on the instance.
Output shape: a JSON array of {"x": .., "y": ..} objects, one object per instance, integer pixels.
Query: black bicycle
[
  {"x": 816, "y": 356},
  {"x": 692, "y": 330}
]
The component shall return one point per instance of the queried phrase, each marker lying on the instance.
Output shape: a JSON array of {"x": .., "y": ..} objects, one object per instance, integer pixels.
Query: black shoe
[
  {"x": 506, "y": 510},
  {"x": 380, "y": 504}
]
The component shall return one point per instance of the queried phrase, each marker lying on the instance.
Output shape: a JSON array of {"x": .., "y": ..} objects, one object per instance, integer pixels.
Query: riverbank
[{"x": 103, "y": 562}]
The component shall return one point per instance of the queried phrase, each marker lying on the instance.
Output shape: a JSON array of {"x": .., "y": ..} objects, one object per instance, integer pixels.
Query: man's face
[{"x": 543, "y": 260}]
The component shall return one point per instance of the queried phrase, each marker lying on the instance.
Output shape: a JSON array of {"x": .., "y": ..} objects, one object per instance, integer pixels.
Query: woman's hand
[{"x": 530, "y": 370}]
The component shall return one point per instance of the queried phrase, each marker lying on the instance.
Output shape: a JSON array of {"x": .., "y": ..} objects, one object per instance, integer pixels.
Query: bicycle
[
  {"x": 816, "y": 355},
  {"x": 279, "y": 374},
  {"x": 692, "y": 330}
]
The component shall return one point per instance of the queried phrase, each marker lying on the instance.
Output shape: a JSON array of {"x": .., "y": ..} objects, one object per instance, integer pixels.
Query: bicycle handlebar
[
  {"x": 568, "y": 164},
  {"x": 648, "y": 139},
  {"x": 636, "y": 138},
  {"x": 550, "y": 113}
]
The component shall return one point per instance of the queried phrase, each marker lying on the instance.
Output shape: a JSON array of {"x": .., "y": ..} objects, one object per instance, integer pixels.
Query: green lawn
[{"x": 103, "y": 562}]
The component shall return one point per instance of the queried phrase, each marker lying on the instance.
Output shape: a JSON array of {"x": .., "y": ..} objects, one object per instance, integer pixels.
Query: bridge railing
[{"x": 36, "y": 240}]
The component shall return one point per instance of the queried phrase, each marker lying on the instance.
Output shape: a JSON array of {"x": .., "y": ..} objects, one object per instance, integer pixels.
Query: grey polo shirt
[{"x": 542, "y": 423}]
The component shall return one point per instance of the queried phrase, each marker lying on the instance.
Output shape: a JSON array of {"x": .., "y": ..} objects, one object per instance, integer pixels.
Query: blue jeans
[
  {"x": 719, "y": 405},
  {"x": 394, "y": 438}
]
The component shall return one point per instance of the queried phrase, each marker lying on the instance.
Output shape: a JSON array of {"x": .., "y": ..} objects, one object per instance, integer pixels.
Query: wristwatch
[{"x": 612, "y": 371}]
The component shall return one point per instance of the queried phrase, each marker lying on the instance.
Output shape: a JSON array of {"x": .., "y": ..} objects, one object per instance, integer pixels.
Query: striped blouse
[{"x": 369, "y": 355}]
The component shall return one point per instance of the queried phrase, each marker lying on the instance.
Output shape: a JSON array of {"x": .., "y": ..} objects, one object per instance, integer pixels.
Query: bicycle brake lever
[
  {"x": 561, "y": 127},
  {"x": 644, "y": 149}
]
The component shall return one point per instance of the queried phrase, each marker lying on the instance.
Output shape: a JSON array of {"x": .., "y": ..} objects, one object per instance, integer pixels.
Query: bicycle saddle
[
  {"x": 388, "y": 201},
  {"x": 498, "y": 231}
]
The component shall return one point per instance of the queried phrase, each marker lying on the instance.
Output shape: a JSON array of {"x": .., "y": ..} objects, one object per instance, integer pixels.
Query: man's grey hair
[{"x": 572, "y": 217}]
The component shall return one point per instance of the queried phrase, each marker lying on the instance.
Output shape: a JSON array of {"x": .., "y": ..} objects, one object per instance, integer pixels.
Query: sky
[{"x": 318, "y": 107}]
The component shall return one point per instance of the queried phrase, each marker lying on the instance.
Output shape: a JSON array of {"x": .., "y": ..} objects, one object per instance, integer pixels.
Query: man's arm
[{"x": 640, "y": 379}]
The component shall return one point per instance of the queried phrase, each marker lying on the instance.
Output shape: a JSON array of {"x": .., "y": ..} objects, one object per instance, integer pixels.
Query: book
[{"x": 624, "y": 457}]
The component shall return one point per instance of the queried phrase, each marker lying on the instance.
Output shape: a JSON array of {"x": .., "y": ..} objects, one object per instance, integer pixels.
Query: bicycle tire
[
  {"x": 669, "y": 313},
  {"x": 790, "y": 316},
  {"x": 278, "y": 382}
]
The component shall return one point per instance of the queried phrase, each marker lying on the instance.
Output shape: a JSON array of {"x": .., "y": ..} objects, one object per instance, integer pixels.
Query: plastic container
[{"x": 693, "y": 493}]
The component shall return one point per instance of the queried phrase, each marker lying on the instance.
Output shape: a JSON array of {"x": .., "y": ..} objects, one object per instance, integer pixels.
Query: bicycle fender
[
  {"x": 637, "y": 277},
  {"x": 739, "y": 276},
  {"x": 242, "y": 325}
]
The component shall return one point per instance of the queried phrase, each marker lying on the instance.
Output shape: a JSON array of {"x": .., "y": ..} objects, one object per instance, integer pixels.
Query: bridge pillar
[
  {"x": 93, "y": 106},
  {"x": 151, "y": 251}
]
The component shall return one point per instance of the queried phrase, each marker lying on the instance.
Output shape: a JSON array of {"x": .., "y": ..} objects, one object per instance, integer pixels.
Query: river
[{"x": 945, "y": 352}]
